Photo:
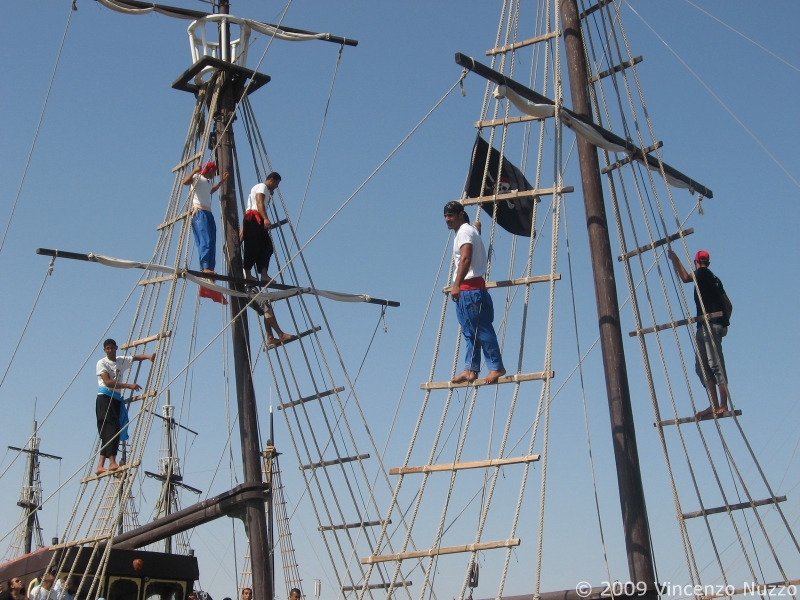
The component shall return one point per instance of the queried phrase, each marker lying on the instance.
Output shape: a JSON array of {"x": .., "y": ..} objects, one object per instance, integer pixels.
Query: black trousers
[
  {"x": 107, "y": 412},
  {"x": 257, "y": 246}
]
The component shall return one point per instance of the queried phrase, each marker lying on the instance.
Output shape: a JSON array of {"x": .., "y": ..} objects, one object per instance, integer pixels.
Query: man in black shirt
[{"x": 709, "y": 362}]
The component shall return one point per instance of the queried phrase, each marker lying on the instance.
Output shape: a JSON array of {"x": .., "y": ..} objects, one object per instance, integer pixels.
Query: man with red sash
[
  {"x": 474, "y": 308},
  {"x": 255, "y": 229}
]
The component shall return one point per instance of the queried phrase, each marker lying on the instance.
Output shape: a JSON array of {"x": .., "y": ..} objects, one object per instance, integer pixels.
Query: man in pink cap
[
  {"x": 709, "y": 297},
  {"x": 203, "y": 226}
]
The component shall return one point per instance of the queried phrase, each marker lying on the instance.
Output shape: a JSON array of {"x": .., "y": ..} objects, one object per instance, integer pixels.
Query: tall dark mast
[
  {"x": 629, "y": 476},
  {"x": 254, "y": 517}
]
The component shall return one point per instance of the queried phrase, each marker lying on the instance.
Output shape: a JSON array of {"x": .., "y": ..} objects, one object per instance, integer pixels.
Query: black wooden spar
[{"x": 496, "y": 77}]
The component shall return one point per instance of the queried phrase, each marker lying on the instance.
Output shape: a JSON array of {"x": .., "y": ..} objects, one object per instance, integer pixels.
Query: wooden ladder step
[
  {"x": 512, "y": 195},
  {"x": 173, "y": 220},
  {"x": 146, "y": 340},
  {"x": 154, "y": 280},
  {"x": 656, "y": 244},
  {"x": 354, "y": 525},
  {"x": 511, "y": 282},
  {"x": 377, "y": 586},
  {"x": 475, "y": 464},
  {"x": 338, "y": 461},
  {"x": 286, "y": 405},
  {"x": 188, "y": 161},
  {"x": 370, "y": 560},
  {"x": 121, "y": 470},
  {"x": 632, "y": 157},
  {"x": 83, "y": 542},
  {"x": 523, "y": 43},
  {"x": 616, "y": 69},
  {"x": 722, "y": 509},
  {"x": 143, "y": 397},
  {"x": 508, "y": 121},
  {"x": 594, "y": 8},
  {"x": 294, "y": 339},
  {"x": 446, "y": 385},
  {"x": 278, "y": 224},
  {"x": 684, "y": 420},
  {"x": 680, "y": 323}
]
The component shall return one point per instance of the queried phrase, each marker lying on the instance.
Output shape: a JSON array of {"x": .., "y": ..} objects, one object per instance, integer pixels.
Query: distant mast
[{"x": 30, "y": 498}]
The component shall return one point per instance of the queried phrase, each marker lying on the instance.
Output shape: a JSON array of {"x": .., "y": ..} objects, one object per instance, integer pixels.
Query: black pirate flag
[{"x": 512, "y": 215}]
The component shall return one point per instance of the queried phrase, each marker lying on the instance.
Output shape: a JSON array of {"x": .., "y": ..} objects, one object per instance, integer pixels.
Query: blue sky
[{"x": 100, "y": 177}]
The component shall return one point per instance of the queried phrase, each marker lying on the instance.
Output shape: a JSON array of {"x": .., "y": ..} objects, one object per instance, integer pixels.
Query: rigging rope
[
  {"x": 48, "y": 272},
  {"x": 38, "y": 125}
]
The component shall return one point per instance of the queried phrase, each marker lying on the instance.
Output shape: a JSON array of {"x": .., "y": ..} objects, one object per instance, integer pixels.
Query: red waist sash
[
  {"x": 475, "y": 283},
  {"x": 251, "y": 215}
]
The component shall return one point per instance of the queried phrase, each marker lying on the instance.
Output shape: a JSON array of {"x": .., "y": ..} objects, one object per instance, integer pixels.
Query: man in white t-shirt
[
  {"x": 474, "y": 308},
  {"x": 258, "y": 250},
  {"x": 110, "y": 410},
  {"x": 44, "y": 591},
  {"x": 203, "y": 226},
  {"x": 255, "y": 229}
]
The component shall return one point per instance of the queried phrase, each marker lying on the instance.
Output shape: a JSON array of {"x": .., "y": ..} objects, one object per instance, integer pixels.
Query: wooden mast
[
  {"x": 629, "y": 477},
  {"x": 254, "y": 516}
]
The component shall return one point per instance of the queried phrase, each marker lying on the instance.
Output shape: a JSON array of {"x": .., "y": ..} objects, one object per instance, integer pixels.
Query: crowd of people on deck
[{"x": 44, "y": 587}]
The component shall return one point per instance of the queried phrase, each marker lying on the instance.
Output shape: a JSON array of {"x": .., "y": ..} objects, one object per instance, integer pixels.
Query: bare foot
[
  {"x": 100, "y": 471},
  {"x": 465, "y": 377},
  {"x": 272, "y": 342},
  {"x": 493, "y": 376},
  {"x": 721, "y": 411},
  {"x": 113, "y": 466},
  {"x": 287, "y": 337},
  {"x": 704, "y": 413}
]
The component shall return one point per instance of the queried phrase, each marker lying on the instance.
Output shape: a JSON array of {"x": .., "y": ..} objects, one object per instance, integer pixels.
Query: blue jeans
[
  {"x": 709, "y": 354},
  {"x": 475, "y": 313},
  {"x": 205, "y": 236}
]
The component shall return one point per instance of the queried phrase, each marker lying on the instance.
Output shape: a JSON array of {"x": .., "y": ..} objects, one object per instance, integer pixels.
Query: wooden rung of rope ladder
[
  {"x": 91, "y": 540},
  {"x": 188, "y": 161},
  {"x": 594, "y": 8},
  {"x": 145, "y": 340},
  {"x": 632, "y": 157},
  {"x": 508, "y": 121},
  {"x": 142, "y": 397},
  {"x": 511, "y": 282},
  {"x": 119, "y": 471},
  {"x": 523, "y": 43},
  {"x": 294, "y": 339},
  {"x": 513, "y": 195},
  {"x": 309, "y": 398},
  {"x": 708, "y": 417},
  {"x": 440, "y": 551},
  {"x": 616, "y": 69},
  {"x": 446, "y": 385},
  {"x": 722, "y": 509},
  {"x": 338, "y": 461},
  {"x": 680, "y": 323},
  {"x": 278, "y": 224},
  {"x": 656, "y": 244},
  {"x": 377, "y": 586},
  {"x": 354, "y": 525},
  {"x": 154, "y": 280},
  {"x": 475, "y": 464},
  {"x": 174, "y": 220}
]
